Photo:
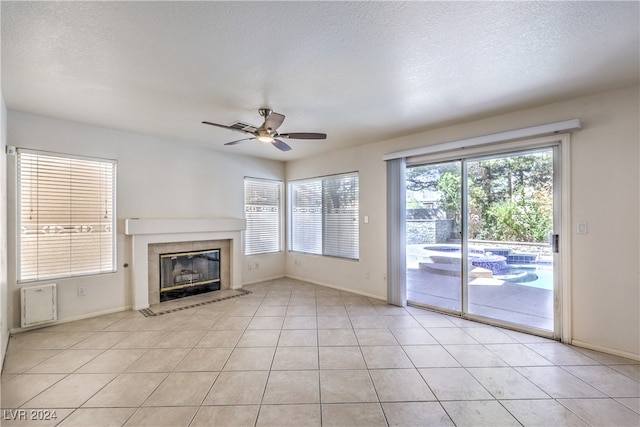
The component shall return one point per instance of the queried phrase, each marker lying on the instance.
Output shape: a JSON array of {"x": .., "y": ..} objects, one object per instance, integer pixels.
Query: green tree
[
  {"x": 413, "y": 203},
  {"x": 509, "y": 198},
  {"x": 449, "y": 186},
  {"x": 419, "y": 178},
  {"x": 522, "y": 219},
  {"x": 495, "y": 196}
]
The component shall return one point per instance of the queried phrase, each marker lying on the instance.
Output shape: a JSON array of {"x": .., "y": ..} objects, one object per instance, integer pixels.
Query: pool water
[{"x": 534, "y": 276}]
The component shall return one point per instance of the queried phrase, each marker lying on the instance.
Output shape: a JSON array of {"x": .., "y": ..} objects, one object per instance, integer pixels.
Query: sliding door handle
[{"x": 554, "y": 241}]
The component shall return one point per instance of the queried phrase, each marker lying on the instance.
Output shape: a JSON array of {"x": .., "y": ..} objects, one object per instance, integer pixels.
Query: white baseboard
[
  {"x": 73, "y": 319},
  {"x": 608, "y": 350},
  {"x": 265, "y": 279},
  {"x": 339, "y": 288}
]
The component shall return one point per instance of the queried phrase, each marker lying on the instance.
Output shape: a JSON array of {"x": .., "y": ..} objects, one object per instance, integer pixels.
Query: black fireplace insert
[{"x": 189, "y": 273}]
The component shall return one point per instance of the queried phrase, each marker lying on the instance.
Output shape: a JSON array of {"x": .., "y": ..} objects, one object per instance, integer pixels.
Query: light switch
[
  {"x": 366, "y": 219},
  {"x": 582, "y": 228}
]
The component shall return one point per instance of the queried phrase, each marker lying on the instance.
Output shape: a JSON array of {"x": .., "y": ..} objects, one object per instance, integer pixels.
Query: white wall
[
  {"x": 156, "y": 179},
  {"x": 340, "y": 273},
  {"x": 605, "y": 192},
  {"x": 605, "y": 188},
  {"x": 4, "y": 328}
]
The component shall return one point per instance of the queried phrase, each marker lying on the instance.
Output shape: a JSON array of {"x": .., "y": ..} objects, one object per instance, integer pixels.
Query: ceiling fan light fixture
[
  {"x": 267, "y": 133},
  {"x": 267, "y": 139}
]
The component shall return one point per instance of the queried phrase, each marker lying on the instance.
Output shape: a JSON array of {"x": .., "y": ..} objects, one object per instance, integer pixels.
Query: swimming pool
[
  {"x": 536, "y": 276},
  {"x": 532, "y": 274}
]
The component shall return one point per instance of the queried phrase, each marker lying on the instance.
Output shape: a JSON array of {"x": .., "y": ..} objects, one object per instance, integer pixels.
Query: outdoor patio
[{"x": 505, "y": 301}]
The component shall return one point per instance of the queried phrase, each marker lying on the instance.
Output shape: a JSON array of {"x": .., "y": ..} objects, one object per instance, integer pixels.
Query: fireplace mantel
[
  {"x": 136, "y": 226},
  {"x": 144, "y": 232}
]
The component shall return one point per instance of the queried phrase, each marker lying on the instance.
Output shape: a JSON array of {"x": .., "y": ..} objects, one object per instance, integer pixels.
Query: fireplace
[
  {"x": 184, "y": 274},
  {"x": 161, "y": 278},
  {"x": 148, "y": 238}
]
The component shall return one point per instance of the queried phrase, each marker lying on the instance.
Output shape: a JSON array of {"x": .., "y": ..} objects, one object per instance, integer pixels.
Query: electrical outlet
[
  {"x": 249, "y": 266},
  {"x": 366, "y": 275},
  {"x": 82, "y": 291}
]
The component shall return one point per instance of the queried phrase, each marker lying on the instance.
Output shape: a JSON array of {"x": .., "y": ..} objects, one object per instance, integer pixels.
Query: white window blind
[
  {"x": 306, "y": 216},
  {"x": 325, "y": 216},
  {"x": 262, "y": 207},
  {"x": 66, "y": 215}
]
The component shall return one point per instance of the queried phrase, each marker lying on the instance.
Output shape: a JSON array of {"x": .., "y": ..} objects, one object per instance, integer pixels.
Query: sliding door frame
[{"x": 561, "y": 224}]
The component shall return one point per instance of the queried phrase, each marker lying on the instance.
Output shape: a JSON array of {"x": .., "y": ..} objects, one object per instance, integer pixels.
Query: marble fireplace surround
[{"x": 149, "y": 237}]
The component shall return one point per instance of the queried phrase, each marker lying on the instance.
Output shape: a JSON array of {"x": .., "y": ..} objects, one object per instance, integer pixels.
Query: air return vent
[{"x": 39, "y": 305}]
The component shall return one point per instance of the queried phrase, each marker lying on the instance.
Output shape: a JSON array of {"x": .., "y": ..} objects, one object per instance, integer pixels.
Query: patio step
[{"x": 449, "y": 269}]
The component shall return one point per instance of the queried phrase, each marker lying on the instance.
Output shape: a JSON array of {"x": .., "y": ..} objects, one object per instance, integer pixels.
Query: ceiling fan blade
[
  {"x": 238, "y": 141},
  {"x": 227, "y": 127},
  {"x": 273, "y": 121},
  {"x": 281, "y": 145},
  {"x": 303, "y": 135}
]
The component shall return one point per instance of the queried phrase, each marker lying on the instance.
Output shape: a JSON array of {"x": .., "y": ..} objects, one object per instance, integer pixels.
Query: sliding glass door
[
  {"x": 480, "y": 237},
  {"x": 433, "y": 230}
]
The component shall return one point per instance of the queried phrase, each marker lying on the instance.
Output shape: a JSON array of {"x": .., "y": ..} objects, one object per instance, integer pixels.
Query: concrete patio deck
[{"x": 505, "y": 301}]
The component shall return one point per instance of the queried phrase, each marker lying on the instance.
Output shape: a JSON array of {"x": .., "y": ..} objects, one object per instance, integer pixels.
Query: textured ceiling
[{"x": 359, "y": 71}]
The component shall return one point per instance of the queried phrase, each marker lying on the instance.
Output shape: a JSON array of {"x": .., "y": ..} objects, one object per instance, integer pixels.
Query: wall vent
[{"x": 39, "y": 305}]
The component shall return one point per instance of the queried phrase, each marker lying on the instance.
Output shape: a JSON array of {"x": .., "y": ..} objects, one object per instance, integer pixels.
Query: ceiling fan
[{"x": 268, "y": 132}]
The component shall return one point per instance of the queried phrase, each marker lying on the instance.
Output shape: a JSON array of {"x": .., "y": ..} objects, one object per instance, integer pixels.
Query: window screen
[
  {"x": 66, "y": 215},
  {"x": 325, "y": 216},
  {"x": 262, "y": 207}
]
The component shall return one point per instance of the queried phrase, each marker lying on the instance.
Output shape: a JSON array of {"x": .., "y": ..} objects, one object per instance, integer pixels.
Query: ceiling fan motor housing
[
  {"x": 264, "y": 112},
  {"x": 267, "y": 132}
]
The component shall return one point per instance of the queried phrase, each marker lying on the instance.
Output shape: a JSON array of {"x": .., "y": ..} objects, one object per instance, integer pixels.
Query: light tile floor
[{"x": 292, "y": 353}]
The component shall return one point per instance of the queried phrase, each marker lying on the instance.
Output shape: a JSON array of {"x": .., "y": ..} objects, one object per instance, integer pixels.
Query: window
[
  {"x": 262, "y": 202},
  {"x": 324, "y": 216},
  {"x": 66, "y": 215}
]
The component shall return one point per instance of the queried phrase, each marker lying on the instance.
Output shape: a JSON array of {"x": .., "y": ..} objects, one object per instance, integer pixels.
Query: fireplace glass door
[{"x": 189, "y": 273}]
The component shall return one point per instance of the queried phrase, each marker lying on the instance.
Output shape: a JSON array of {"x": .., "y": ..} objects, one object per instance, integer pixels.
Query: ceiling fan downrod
[{"x": 264, "y": 112}]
